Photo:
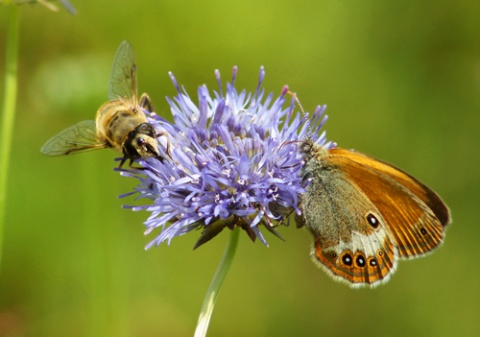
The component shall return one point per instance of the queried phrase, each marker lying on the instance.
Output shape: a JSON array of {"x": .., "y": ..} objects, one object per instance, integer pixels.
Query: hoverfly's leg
[
  {"x": 124, "y": 159},
  {"x": 164, "y": 133},
  {"x": 132, "y": 161},
  {"x": 130, "y": 164},
  {"x": 146, "y": 103}
]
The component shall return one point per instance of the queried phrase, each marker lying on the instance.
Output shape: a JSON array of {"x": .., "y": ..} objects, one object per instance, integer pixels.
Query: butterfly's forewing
[
  {"x": 123, "y": 80},
  {"x": 414, "y": 215},
  {"x": 429, "y": 197},
  {"x": 80, "y": 137}
]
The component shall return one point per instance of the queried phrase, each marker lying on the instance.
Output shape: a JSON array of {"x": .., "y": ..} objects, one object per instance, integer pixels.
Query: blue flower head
[{"x": 233, "y": 161}]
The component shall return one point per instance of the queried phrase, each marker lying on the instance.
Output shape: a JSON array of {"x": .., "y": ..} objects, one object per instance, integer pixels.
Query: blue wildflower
[{"x": 233, "y": 162}]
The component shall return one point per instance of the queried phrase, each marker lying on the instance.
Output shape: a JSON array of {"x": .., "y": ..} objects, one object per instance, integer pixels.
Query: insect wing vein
[
  {"x": 123, "y": 80},
  {"x": 78, "y": 138}
]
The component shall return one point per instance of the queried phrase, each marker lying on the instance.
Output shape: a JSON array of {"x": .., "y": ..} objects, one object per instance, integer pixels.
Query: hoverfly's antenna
[{"x": 294, "y": 95}]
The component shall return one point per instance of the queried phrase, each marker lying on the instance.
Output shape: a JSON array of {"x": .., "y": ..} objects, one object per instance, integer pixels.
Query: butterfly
[{"x": 365, "y": 214}]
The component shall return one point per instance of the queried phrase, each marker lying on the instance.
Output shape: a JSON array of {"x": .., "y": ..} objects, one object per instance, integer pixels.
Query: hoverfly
[{"x": 120, "y": 124}]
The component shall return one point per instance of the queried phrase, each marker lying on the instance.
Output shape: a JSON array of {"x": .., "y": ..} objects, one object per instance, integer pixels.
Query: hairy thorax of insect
[{"x": 115, "y": 120}]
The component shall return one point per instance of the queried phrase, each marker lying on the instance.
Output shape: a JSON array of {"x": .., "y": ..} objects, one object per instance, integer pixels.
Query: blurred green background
[{"x": 402, "y": 83}]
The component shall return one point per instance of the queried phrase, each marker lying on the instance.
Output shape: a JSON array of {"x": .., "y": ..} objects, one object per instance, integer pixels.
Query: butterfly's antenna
[
  {"x": 289, "y": 142},
  {"x": 294, "y": 95}
]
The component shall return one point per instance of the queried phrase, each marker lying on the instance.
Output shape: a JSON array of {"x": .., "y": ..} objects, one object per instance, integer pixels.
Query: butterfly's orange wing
[{"x": 414, "y": 214}]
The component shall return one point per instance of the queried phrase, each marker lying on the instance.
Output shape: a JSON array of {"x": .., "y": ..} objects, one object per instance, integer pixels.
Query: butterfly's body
[{"x": 365, "y": 214}]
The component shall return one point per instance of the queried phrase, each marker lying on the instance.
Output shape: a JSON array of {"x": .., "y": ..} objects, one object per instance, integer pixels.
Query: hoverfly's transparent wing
[
  {"x": 78, "y": 138},
  {"x": 123, "y": 80}
]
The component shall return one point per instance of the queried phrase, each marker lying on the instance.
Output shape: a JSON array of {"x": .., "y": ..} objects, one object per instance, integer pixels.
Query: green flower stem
[
  {"x": 213, "y": 290},
  {"x": 8, "y": 114}
]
